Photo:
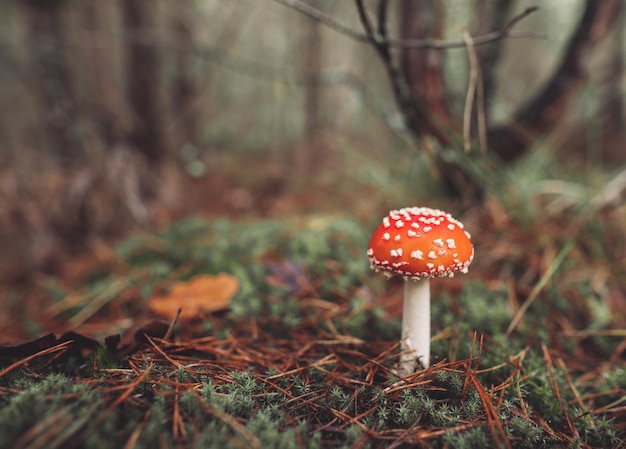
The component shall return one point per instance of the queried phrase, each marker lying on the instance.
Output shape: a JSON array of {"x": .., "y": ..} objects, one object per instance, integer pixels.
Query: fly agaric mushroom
[{"x": 418, "y": 243}]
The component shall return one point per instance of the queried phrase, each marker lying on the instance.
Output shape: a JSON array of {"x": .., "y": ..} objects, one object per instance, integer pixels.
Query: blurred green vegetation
[{"x": 276, "y": 261}]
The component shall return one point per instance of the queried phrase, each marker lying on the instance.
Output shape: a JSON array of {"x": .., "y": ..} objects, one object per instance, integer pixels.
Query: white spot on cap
[
  {"x": 397, "y": 238},
  {"x": 430, "y": 265},
  {"x": 428, "y": 228},
  {"x": 417, "y": 254},
  {"x": 396, "y": 252},
  {"x": 411, "y": 233},
  {"x": 399, "y": 224},
  {"x": 415, "y": 225},
  {"x": 438, "y": 242},
  {"x": 450, "y": 226},
  {"x": 432, "y": 255},
  {"x": 451, "y": 243},
  {"x": 370, "y": 251},
  {"x": 386, "y": 222},
  {"x": 386, "y": 236}
]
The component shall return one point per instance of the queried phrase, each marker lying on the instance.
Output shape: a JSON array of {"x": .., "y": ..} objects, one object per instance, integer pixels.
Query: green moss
[
  {"x": 524, "y": 433},
  {"x": 240, "y": 248},
  {"x": 468, "y": 439},
  {"x": 54, "y": 398},
  {"x": 310, "y": 407},
  {"x": 368, "y": 322},
  {"x": 102, "y": 358}
]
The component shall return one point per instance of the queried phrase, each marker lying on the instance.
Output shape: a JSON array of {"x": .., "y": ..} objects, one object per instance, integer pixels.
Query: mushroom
[{"x": 418, "y": 243}]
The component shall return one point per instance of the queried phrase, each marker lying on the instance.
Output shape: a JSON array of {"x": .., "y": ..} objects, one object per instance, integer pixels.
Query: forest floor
[{"x": 286, "y": 339}]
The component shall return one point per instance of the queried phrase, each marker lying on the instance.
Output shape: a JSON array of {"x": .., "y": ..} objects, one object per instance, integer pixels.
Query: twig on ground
[
  {"x": 170, "y": 329},
  {"x": 60, "y": 347},
  {"x": 537, "y": 289},
  {"x": 555, "y": 388}
]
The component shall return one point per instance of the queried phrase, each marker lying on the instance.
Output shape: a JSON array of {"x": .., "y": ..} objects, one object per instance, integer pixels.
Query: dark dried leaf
[
  {"x": 28, "y": 348},
  {"x": 153, "y": 329}
]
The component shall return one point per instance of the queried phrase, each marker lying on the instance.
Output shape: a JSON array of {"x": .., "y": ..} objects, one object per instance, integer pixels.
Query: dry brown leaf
[{"x": 202, "y": 293}]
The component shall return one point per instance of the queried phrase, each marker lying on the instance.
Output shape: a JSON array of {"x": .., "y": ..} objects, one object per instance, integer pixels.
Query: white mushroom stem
[{"x": 415, "y": 326}]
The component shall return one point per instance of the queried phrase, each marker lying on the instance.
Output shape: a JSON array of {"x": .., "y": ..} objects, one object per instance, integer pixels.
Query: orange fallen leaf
[{"x": 202, "y": 293}]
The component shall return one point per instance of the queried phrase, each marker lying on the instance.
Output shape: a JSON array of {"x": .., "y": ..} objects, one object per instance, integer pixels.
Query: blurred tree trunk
[
  {"x": 145, "y": 84},
  {"x": 101, "y": 72},
  {"x": 612, "y": 114},
  {"x": 428, "y": 112},
  {"x": 50, "y": 76},
  {"x": 185, "y": 89},
  {"x": 543, "y": 111},
  {"x": 308, "y": 154}
]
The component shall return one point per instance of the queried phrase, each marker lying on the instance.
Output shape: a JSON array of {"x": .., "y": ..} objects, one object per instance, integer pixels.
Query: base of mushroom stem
[{"x": 409, "y": 365}]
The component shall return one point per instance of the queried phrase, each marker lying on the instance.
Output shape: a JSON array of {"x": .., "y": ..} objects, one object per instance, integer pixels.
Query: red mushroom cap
[{"x": 419, "y": 242}]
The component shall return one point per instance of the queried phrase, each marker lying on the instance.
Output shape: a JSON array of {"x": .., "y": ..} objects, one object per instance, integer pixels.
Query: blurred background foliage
[{"x": 126, "y": 114}]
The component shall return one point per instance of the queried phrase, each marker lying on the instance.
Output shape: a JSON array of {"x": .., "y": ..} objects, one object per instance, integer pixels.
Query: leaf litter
[
  {"x": 200, "y": 295},
  {"x": 315, "y": 367}
]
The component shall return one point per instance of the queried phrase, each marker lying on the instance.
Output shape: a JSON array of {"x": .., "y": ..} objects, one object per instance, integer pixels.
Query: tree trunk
[
  {"x": 185, "y": 89},
  {"x": 307, "y": 156},
  {"x": 545, "y": 109},
  {"x": 101, "y": 75},
  {"x": 51, "y": 80},
  {"x": 428, "y": 112},
  {"x": 612, "y": 114},
  {"x": 145, "y": 79}
]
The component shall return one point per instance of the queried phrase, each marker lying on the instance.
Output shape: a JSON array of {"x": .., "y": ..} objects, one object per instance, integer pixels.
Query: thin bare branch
[
  {"x": 324, "y": 19},
  {"x": 436, "y": 44},
  {"x": 365, "y": 20},
  {"x": 474, "y": 89},
  {"x": 480, "y": 110},
  {"x": 471, "y": 90},
  {"x": 377, "y": 40},
  {"x": 515, "y": 20},
  {"x": 382, "y": 18},
  {"x": 379, "y": 43}
]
